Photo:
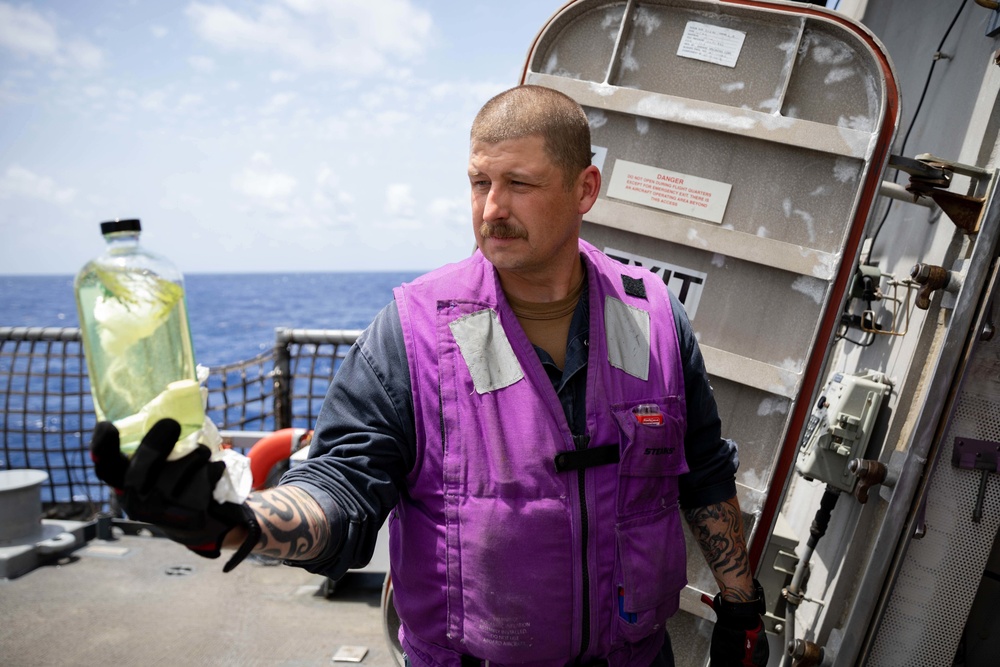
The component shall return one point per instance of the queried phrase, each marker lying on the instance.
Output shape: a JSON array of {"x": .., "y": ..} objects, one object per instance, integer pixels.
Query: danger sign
[{"x": 669, "y": 190}]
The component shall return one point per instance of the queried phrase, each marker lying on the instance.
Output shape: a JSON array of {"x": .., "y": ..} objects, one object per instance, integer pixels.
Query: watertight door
[{"x": 741, "y": 145}]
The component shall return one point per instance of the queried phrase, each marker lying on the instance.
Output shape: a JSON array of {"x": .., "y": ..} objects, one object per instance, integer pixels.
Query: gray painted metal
[
  {"x": 739, "y": 148},
  {"x": 933, "y": 581}
]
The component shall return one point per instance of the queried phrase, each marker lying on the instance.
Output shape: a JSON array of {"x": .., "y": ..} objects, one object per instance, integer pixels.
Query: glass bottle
[{"x": 136, "y": 339}]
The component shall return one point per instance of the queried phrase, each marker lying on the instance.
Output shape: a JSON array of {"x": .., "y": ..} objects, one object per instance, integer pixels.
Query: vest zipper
[{"x": 581, "y": 441}]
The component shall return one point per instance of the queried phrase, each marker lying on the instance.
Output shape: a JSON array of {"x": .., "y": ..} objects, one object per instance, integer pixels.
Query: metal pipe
[
  {"x": 793, "y": 594},
  {"x": 897, "y": 191}
]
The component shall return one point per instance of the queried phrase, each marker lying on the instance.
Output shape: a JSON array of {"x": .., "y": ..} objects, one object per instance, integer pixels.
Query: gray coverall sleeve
[
  {"x": 363, "y": 446},
  {"x": 712, "y": 459}
]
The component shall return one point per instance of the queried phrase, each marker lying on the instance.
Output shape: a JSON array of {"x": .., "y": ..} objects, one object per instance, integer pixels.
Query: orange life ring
[{"x": 272, "y": 449}]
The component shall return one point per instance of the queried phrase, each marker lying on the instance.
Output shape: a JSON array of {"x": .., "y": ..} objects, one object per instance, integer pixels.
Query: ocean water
[{"x": 232, "y": 316}]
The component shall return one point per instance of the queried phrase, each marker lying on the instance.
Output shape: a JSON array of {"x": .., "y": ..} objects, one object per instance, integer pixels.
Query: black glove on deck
[
  {"x": 174, "y": 495},
  {"x": 738, "y": 639}
]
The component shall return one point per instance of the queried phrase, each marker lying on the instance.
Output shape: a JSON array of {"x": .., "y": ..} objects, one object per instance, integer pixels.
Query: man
[{"x": 554, "y": 410}]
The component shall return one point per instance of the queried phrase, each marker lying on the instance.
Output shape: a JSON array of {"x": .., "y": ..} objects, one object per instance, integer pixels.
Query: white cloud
[
  {"x": 399, "y": 200},
  {"x": 20, "y": 182},
  {"x": 352, "y": 35},
  {"x": 329, "y": 194},
  {"x": 202, "y": 64},
  {"x": 277, "y": 103},
  {"x": 29, "y": 35},
  {"x": 153, "y": 101},
  {"x": 281, "y": 76},
  {"x": 159, "y": 31},
  {"x": 81, "y": 53},
  {"x": 263, "y": 183},
  {"x": 449, "y": 212},
  {"x": 189, "y": 102}
]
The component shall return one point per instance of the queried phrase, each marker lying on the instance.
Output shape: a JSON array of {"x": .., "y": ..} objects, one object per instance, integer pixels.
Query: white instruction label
[
  {"x": 711, "y": 43},
  {"x": 669, "y": 191},
  {"x": 686, "y": 284}
]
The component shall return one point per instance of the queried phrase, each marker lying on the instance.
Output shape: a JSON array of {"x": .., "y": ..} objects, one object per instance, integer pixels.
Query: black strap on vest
[{"x": 587, "y": 458}]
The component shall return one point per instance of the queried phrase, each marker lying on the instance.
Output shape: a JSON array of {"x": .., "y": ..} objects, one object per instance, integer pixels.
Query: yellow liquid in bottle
[{"x": 136, "y": 333}]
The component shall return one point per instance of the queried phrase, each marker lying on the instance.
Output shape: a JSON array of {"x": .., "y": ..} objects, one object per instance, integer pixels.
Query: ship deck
[{"x": 146, "y": 601}]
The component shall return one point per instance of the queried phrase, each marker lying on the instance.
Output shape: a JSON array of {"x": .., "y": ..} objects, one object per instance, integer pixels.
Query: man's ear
[{"x": 588, "y": 186}]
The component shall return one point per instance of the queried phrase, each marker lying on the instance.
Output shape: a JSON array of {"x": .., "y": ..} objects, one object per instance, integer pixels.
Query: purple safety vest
[{"x": 508, "y": 544}]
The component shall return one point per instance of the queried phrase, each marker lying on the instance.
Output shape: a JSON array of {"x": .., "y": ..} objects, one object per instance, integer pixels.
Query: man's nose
[{"x": 496, "y": 204}]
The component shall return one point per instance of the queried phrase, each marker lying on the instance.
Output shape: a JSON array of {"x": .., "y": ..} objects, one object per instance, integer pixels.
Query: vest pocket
[
  {"x": 652, "y": 455},
  {"x": 650, "y": 571}
]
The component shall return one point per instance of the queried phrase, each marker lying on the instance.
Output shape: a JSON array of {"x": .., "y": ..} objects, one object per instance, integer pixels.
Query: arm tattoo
[
  {"x": 718, "y": 530},
  {"x": 293, "y": 526}
]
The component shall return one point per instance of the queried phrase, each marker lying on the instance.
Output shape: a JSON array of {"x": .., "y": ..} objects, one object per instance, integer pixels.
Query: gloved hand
[
  {"x": 738, "y": 639},
  {"x": 174, "y": 495}
]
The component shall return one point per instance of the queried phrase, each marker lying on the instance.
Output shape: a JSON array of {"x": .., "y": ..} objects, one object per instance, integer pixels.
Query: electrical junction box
[{"x": 840, "y": 426}]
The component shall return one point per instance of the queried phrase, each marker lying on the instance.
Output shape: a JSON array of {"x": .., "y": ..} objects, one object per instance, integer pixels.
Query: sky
[{"x": 260, "y": 136}]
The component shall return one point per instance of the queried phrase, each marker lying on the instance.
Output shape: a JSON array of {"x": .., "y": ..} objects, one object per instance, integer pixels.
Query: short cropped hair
[{"x": 535, "y": 110}]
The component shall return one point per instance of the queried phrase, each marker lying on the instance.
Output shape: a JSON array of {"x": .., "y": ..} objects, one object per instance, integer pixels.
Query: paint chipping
[
  {"x": 857, "y": 141},
  {"x": 552, "y": 67},
  {"x": 838, "y": 74},
  {"x": 647, "y": 20},
  {"x": 772, "y": 406},
  {"x": 732, "y": 87},
  {"x": 809, "y": 221},
  {"x": 677, "y": 111},
  {"x": 692, "y": 235},
  {"x": 811, "y": 287},
  {"x": 602, "y": 89},
  {"x": 826, "y": 266},
  {"x": 776, "y": 121},
  {"x": 718, "y": 260},
  {"x": 641, "y": 125},
  {"x": 596, "y": 118},
  {"x": 629, "y": 62},
  {"x": 845, "y": 170},
  {"x": 770, "y": 106}
]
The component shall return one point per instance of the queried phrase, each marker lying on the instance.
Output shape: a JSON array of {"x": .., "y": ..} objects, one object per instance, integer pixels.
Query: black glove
[
  {"x": 174, "y": 495},
  {"x": 738, "y": 639}
]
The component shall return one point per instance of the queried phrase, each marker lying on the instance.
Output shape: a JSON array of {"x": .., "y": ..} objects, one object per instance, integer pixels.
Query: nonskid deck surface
[{"x": 147, "y": 601}]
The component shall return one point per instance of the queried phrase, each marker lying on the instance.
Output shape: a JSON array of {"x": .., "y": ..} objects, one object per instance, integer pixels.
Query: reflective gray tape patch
[
  {"x": 486, "y": 350},
  {"x": 628, "y": 337}
]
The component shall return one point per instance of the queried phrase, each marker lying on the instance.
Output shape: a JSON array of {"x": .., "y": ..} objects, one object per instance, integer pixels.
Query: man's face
[{"x": 525, "y": 219}]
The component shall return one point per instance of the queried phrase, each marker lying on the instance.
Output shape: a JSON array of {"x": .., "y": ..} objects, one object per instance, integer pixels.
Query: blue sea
[{"x": 232, "y": 316}]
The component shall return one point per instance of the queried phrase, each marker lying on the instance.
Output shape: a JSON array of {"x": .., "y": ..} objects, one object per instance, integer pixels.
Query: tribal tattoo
[
  {"x": 719, "y": 531},
  {"x": 293, "y": 525}
]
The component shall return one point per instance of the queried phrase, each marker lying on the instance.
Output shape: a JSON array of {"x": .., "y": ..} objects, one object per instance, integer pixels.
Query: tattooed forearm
[
  {"x": 718, "y": 530},
  {"x": 292, "y": 523}
]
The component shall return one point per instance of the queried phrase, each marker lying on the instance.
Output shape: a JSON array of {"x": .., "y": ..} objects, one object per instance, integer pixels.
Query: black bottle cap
[{"x": 120, "y": 226}]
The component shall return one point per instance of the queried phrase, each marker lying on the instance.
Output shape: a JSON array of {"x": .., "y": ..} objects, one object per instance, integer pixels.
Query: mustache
[{"x": 501, "y": 230}]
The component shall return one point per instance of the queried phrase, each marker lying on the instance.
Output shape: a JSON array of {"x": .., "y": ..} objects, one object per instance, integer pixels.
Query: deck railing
[{"x": 47, "y": 413}]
